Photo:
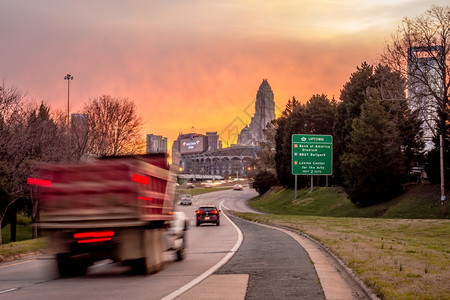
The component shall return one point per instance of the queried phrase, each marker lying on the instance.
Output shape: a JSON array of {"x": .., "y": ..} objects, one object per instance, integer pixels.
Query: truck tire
[
  {"x": 153, "y": 261},
  {"x": 69, "y": 267},
  {"x": 180, "y": 252}
]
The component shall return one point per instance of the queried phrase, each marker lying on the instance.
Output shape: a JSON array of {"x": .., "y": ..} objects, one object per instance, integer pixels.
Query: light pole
[{"x": 68, "y": 77}]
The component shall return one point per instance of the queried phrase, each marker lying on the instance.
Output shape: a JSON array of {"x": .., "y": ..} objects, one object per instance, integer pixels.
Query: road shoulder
[{"x": 338, "y": 282}]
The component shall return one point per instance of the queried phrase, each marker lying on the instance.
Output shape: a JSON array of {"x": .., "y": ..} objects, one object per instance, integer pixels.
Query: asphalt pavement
[
  {"x": 277, "y": 263},
  {"x": 278, "y": 267}
]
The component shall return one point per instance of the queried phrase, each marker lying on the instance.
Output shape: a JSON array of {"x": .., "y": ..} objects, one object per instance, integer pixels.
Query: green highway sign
[{"x": 312, "y": 154}]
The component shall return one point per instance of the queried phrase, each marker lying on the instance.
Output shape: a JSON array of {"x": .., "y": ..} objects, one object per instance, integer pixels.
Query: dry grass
[
  {"x": 398, "y": 258},
  {"x": 22, "y": 249}
]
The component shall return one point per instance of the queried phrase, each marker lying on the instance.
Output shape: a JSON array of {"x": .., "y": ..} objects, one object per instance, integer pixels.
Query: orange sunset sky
[{"x": 196, "y": 63}]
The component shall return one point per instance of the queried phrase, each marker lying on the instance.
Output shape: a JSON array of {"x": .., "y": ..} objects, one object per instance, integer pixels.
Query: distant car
[
  {"x": 237, "y": 187},
  {"x": 207, "y": 214},
  {"x": 209, "y": 183},
  {"x": 189, "y": 185},
  {"x": 186, "y": 200}
]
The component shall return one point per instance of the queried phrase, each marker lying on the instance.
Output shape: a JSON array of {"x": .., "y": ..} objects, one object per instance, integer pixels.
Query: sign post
[
  {"x": 295, "y": 196},
  {"x": 312, "y": 155}
]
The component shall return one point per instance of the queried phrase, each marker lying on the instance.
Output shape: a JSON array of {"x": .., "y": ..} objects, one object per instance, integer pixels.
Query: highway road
[
  {"x": 207, "y": 245},
  {"x": 255, "y": 262}
]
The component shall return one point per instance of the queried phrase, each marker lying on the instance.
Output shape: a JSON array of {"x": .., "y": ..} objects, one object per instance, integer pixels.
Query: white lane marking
[
  {"x": 213, "y": 268},
  {"x": 9, "y": 290}
]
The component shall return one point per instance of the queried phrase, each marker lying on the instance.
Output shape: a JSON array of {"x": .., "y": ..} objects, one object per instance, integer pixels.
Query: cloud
[{"x": 191, "y": 63}]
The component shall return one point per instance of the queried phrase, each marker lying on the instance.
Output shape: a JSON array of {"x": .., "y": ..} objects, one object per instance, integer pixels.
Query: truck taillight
[
  {"x": 141, "y": 179},
  {"x": 93, "y": 240},
  {"x": 39, "y": 182},
  {"x": 93, "y": 236}
]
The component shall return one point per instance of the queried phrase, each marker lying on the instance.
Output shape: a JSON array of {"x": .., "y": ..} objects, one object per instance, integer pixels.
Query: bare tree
[
  {"x": 79, "y": 135},
  {"x": 28, "y": 134},
  {"x": 114, "y": 126},
  {"x": 45, "y": 140},
  {"x": 11, "y": 121},
  {"x": 419, "y": 50}
]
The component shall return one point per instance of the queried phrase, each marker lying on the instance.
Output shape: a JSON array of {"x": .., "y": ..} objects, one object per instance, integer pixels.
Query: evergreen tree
[
  {"x": 315, "y": 117},
  {"x": 352, "y": 97},
  {"x": 389, "y": 87},
  {"x": 374, "y": 163},
  {"x": 282, "y": 154}
]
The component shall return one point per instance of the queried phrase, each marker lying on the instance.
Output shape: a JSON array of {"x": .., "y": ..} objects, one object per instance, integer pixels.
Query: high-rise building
[
  {"x": 156, "y": 144},
  {"x": 426, "y": 88},
  {"x": 264, "y": 114},
  {"x": 213, "y": 140}
]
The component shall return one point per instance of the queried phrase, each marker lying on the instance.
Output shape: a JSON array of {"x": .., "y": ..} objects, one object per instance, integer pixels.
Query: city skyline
[{"x": 192, "y": 65}]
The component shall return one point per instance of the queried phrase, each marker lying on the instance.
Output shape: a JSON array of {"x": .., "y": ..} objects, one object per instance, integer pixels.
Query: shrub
[{"x": 263, "y": 181}]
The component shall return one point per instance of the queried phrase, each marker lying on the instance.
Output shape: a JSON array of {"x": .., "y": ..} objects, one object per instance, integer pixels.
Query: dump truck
[{"x": 119, "y": 208}]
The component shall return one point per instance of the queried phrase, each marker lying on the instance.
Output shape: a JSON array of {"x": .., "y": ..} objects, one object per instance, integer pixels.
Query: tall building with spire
[{"x": 264, "y": 114}]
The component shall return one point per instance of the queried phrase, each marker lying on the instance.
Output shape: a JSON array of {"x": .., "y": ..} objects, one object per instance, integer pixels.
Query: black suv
[{"x": 207, "y": 214}]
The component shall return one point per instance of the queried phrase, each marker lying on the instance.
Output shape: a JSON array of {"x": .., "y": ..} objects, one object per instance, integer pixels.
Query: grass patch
[
  {"x": 20, "y": 249},
  {"x": 399, "y": 247},
  {"x": 418, "y": 202},
  {"x": 23, "y": 232},
  {"x": 23, "y": 229},
  {"x": 398, "y": 261}
]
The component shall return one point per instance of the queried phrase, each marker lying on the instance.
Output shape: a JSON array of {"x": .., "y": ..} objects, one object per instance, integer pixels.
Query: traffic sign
[{"x": 312, "y": 154}]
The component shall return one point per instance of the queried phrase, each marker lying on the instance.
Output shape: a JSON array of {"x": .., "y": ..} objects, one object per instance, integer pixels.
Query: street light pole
[
  {"x": 441, "y": 154},
  {"x": 68, "y": 77}
]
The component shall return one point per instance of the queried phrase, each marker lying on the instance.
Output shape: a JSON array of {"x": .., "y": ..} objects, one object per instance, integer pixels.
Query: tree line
[
  {"x": 378, "y": 136},
  {"x": 31, "y": 134}
]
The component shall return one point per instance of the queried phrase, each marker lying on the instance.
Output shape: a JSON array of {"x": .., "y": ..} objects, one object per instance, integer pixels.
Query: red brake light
[
  {"x": 39, "y": 182},
  {"x": 141, "y": 179},
  {"x": 93, "y": 237},
  {"x": 199, "y": 212},
  {"x": 94, "y": 234},
  {"x": 94, "y": 240},
  {"x": 214, "y": 212}
]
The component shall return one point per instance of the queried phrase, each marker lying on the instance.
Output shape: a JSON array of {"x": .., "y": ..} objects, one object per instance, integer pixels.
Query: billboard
[{"x": 192, "y": 145}]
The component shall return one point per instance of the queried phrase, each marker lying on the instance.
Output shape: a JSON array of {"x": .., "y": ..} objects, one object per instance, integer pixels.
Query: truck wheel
[
  {"x": 153, "y": 261},
  {"x": 69, "y": 267},
  {"x": 217, "y": 223},
  {"x": 180, "y": 251}
]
